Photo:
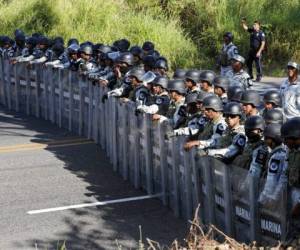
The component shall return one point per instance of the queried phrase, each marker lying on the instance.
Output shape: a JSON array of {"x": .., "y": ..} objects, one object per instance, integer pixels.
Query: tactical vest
[
  {"x": 224, "y": 60},
  {"x": 294, "y": 168},
  {"x": 226, "y": 139},
  {"x": 207, "y": 131},
  {"x": 244, "y": 160}
]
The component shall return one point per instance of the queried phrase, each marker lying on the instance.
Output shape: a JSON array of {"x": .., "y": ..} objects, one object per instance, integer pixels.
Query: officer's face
[
  {"x": 292, "y": 72},
  {"x": 205, "y": 86},
  {"x": 192, "y": 108},
  {"x": 232, "y": 120},
  {"x": 236, "y": 66},
  {"x": 226, "y": 40},
  {"x": 269, "y": 105},
  {"x": 157, "y": 89},
  {"x": 85, "y": 56},
  {"x": 269, "y": 142},
  {"x": 188, "y": 84},
  {"x": 247, "y": 108},
  {"x": 256, "y": 26},
  {"x": 218, "y": 91},
  {"x": 133, "y": 81},
  {"x": 210, "y": 113},
  {"x": 160, "y": 71},
  {"x": 173, "y": 95}
]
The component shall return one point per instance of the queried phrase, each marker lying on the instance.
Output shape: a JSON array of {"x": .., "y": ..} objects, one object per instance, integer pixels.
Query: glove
[
  {"x": 104, "y": 98},
  {"x": 170, "y": 134}
]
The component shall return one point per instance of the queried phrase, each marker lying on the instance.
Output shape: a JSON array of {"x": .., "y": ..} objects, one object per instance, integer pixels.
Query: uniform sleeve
[
  {"x": 258, "y": 163},
  {"x": 211, "y": 142}
]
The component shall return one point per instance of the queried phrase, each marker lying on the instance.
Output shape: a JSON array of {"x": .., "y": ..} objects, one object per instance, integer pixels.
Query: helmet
[
  {"x": 149, "y": 60},
  {"x": 229, "y": 35},
  {"x": 43, "y": 40},
  {"x": 73, "y": 41},
  {"x": 238, "y": 58},
  {"x": 254, "y": 122},
  {"x": 20, "y": 37},
  {"x": 58, "y": 39},
  {"x": 207, "y": 76},
  {"x": 291, "y": 128},
  {"x": 104, "y": 49},
  {"x": 154, "y": 53},
  {"x": 273, "y": 116},
  {"x": 179, "y": 73},
  {"x": 58, "y": 48},
  {"x": 123, "y": 45},
  {"x": 161, "y": 63},
  {"x": 161, "y": 81},
  {"x": 19, "y": 32},
  {"x": 233, "y": 108},
  {"x": 148, "y": 46},
  {"x": 221, "y": 82},
  {"x": 136, "y": 51},
  {"x": 251, "y": 97},
  {"x": 202, "y": 95},
  {"x": 87, "y": 49},
  {"x": 234, "y": 93},
  {"x": 213, "y": 102},
  {"x": 177, "y": 85},
  {"x": 191, "y": 98},
  {"x": 273, "y": 131},
  {"x": 293, "y": 65},
  {"x": 193, "y": 75},
  {"x": 137, "y": 73},
  {"x": 272, "y": 96},
  {"x": 32, "y": 41},
  {"x": 73, "y": 48},
  {"x": 126, "y": 57}
]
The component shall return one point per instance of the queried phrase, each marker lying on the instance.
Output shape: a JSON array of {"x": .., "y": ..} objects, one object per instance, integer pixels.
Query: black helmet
[
  {"x": 177, "y": 85},
  {"x": 213, "y": 102},
  {"x": 43, "y": 40},
  {"x": 161, "y": 63},
  {"x": 191, "y": 98},
  {"x": 104, "y": 49},
  {"x": 233, "y": 108},
  {"x": 273, "y": 131},
  {"x": 161, "y": 81},
  {"x": 291, "y": 128},
  {"x": 202, "y": 95},
  {"x": 58, "y": 48},
  {"x": 58, "y": 39},
  {"x": 273, "y": 116},
  {"x": 234, "y": 93},
  {"x": 207, "y": 76},
  {"x": 73, "y": 41},
  {"x": 136, "y": 51},
  {"x": 31, "y": 41},
  {"x": 20, "y": 37},
  {"x": 272, "y": 96},
  {"x": 179, "y": 73},
  {"x": 73, "y": 48},
  {"x": 221, "y": 82},
  {"x": 149, "y": 61},
  {"x": 87, "y": 49},
  {"x": 254, "y": 122},
  {"x": 193, "y": 75},
  {"x": 123, "y": 45},
  {"x": 148, "y": 46},
  {"x": 229, "y": 35},
  {"x": 251, "y": 97},
  {"x": 126, "y": 57},
  {"x": 19, "y": 32},
  {"x": 137, "y": 73}
]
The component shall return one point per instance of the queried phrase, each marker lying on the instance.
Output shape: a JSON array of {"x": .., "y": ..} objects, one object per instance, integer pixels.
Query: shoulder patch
[
  {"x": 274, "y": 165},
  {"x": 202, "y": 121},
  {"x": 261, "y": 157},
  {"x": 241, "y": 141},
  {"x": 159, "y": 101},
  {"x": 220, "y": 129}
]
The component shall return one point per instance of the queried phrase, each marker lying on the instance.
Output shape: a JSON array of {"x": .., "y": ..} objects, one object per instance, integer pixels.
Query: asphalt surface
[{"x": 43, "y": 167}]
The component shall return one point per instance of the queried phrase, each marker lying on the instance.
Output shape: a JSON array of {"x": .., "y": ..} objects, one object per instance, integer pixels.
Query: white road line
[{"x": 100, "y": 203}]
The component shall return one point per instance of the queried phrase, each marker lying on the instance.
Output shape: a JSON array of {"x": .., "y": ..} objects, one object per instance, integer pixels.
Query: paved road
[{"x": 43, "y": 167}]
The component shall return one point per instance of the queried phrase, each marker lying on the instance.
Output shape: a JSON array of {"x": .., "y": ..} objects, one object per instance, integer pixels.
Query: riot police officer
[
  {"x": 227, "y": 52},
  {"x": 237, "y": 75},
  {"x": 234, "y": 93},
  {"x": 290, "y": 91},
  {"x": 221, "y": 84},
  {"x": 233, "y": 141},
  {"x": 161, "y": 66},
  {"x": 206, "y": 80},
  {"x": 250, "y": 100},
  {"x": 255, "y": 154},
  {"x": 87, "y": 64},
  {"x": 179, "y": 74},
  {"x": 192, "y": 78},
  {"x": 213, "y": 109},
  {"x": 273, "y": 116},
  {"x": 276, "y": 176},
  {"x": 271, "y": 100}
]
